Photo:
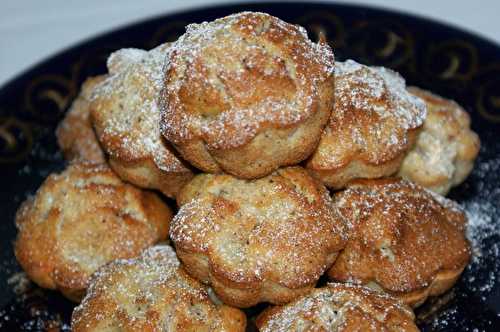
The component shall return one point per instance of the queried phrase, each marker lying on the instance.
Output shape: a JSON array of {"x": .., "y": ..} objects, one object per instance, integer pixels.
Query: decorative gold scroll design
[
  {"x": 391, "y": 44},
  {"x": 48, "y": 96},
  {"x": 16, "y": 140},
  {"x": 451, "y": 60},
  {"x": 388, "y": 43},
  {"x": 488, "y": 93}
]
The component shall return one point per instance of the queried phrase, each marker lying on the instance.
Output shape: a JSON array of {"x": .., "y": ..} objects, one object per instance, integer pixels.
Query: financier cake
[
  {"x": 403, "y": 239},
  {"x": 151, "y": 293},
  {"x": 264, "y": 240},
  {"x": 446, "y": 147},
  {"x": 246, "y": 94},
  {"x": 81, "y": 219},
  {"x": 126, "y": 118},
  {"x": 75, "y": 134},
  {"x": 339, "y": 308},
  {"x": 374, "y": 123}
]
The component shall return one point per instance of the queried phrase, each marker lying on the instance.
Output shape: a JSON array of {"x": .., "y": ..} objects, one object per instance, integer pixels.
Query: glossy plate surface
[{"x": 447, "y": 61}]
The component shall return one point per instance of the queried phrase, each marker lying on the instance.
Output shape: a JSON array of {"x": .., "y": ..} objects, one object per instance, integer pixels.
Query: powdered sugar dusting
[
  {"x": 116, "y": 224},
  {"x": 446, "y": 148},
  {"x": 483, "y": 225},
  {"x": 159, "y": 260},
  {"x": 227, "y": 64},
  {"x": 263, "y": 230},
  {"x": 150, "y": 290},
  {"x": 484, "y": 229},
  {"x": 409, "y": 109},
  {"x": 403, "y": 237},
  {"x": 482, "y": 275},
  {"x": 370, "y": 123},
  {"x": 357, "y": 85},
  {"x": 121, "y": 59},
  {"x": 126, "y": 107},
  {"x": 20, "y": 283},
  {"x": 445, "y": 202},
  {"x": 329, "y": 308}
]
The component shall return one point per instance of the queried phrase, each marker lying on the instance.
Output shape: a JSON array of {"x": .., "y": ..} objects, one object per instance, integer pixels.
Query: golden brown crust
[
  {"x": 403, "y": 239},
  {"x": 151, "y": 293},
  {"x": 268, "y": 239},
  {"x": 446, "y": 148},
  {"x": 373, "y": 124},
  {"x": 125, "y": 115},
  {"x": 81, "y": 219},
  {"x": 75, "y": 134},
  {"x": 339, "y": 308},
  {"x": 246, "y": 94}
]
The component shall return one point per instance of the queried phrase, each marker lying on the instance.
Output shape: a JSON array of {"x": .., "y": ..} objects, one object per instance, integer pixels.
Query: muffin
[
  {"x": 446, "y": 147},
  {"x": 373, "y": 125},
  {"x": 264, "y": 240},
  {"x": 81, "y": 219},
  {"x": 126, "y": 118},
  {"x": 75, "y": 134},
  {"x": 246, "y": 94},
  {"x": 151, "y": 293},
  {"x": 403, "y": 239},
  {"x": 339, "y": 308}
]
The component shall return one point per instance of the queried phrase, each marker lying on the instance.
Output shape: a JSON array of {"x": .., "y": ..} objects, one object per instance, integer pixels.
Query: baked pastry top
[
  {"x": 446, "y": 147},
  {"x": 81, "y": 219},
  {"x": 75, "y": 134},
  {"x": 272, "y": 121},
  {"x": 151, "y": 293},
  {"x": 265, "y": 240},
  {"x": 339, "y": 308},
  {"x": 373, "y": 124},
  {"x": 126, "y": 118},
  {"x": 403, "y": 239},
  {"x": 246, "y": 94}
]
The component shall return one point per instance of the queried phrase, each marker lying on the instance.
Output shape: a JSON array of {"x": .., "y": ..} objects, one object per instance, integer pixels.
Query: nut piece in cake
[
  {"x": 446, "y": 148},
  {"x": 264, "y": 240},
  {"x": 126, "y": 118},
  {"x": 403, "y": 239},
  {"x": 246, "y": 94},
  {"x": 151, "y": 293},
  {"x": 75, "y": 134},
  {"x": 339, "y": 308},
  {"x": 82, "y": 219},
  {"x": 373, "y": 124}
]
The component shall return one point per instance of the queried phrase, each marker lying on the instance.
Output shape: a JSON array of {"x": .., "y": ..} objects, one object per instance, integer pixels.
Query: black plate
[{"x": 436, "y": 57}]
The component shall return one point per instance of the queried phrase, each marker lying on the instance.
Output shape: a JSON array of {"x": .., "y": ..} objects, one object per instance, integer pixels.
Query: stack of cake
[{"x": 285, "y": 166}]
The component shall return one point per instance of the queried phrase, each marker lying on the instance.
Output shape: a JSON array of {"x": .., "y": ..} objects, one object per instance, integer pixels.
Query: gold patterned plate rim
[{"x": 451, "y": 62}]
